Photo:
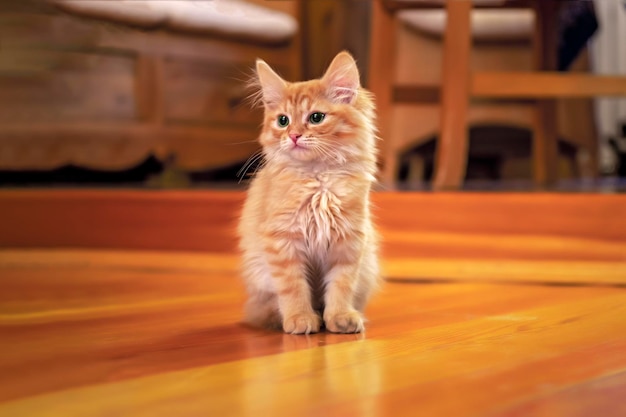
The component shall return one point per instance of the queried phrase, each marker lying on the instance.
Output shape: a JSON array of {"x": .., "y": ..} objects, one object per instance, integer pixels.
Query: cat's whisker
[
  {"x": 258, "y": 167},
  {"x": 250, "y": 159},
  {"x": 242, "y": 142},
  {"x": 327, "y": 150},
  {"x": 324, "y": 151},
  {"x": 256, "y": 161},
  {"x": 245, "y": 174},
  {"x": 248, "y": 164}
]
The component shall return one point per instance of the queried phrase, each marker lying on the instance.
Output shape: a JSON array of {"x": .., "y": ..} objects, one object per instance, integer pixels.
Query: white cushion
[
  {"x": 475, "y": 2},
  {"x": 234, "y": 18},
  {"x": 487, "y": 24},
  {"x": 138, "y": 13}
]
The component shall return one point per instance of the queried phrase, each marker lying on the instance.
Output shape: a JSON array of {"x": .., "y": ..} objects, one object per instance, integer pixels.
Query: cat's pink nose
[{"x": 294, "y": 137}]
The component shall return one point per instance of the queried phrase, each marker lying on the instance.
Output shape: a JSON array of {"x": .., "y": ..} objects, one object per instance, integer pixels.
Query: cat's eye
[
  {"x": 316, "y": 118},
  {"x": 282, "y": 120}
]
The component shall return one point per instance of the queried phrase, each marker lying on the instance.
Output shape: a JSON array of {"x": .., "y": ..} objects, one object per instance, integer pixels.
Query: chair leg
[
  {"x": 545, "y": 149},
  {"x": 381, "y": 75},
  {"x": 452, "y": 146},
  {"x": 590, "y": 168},
  {"x": 545, "y": 134}
]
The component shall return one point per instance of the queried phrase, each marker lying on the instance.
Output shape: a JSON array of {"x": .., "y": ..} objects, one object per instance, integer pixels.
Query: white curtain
[{"x": 608, "y": 48}]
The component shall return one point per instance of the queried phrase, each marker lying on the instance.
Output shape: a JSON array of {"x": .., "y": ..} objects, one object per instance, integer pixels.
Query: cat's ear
[
  {"x": 342, "y": 79},
  {"x": 272, "y": 86}
]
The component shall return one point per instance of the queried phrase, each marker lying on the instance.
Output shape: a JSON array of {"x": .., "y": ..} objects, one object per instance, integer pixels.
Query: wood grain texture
[
  {"x": 546, "y": 84},
  {"x": 453, "y": 143},
  {"x": 545, "y": 140},
  {"x": 482, "y": 236},
  {"x": 381, "y": 71},
  {"x": 106, "y": 96},
  {"x": 91, "y": 333},
  {"x": 122, "y": 145}
]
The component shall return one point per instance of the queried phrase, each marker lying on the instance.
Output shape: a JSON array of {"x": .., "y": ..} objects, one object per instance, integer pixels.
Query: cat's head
[{"x": 330, "y": 119}]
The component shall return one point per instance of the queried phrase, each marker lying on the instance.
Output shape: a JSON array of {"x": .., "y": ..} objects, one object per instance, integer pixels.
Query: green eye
[
  {"x": 283, "y": 121},
  {"x": 316, "y": 118}
]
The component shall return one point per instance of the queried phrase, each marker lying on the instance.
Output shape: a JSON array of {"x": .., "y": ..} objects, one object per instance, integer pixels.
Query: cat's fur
[{"x": 306, "y": 234}]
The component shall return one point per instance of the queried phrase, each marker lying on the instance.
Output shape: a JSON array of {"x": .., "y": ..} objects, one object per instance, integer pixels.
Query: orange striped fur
[{"x": 308, "y": 244}]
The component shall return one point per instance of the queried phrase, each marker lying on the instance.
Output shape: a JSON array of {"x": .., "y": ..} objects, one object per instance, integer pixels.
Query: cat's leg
[
  {"x": 368, "y": 277},
  {"x": 288, "y": 266},
  {"x": 261, "y": 309},
  {"x": 341, "y": 285},
  {"x": 349, "y": 284},
  {"x": 340, "y": 314}
]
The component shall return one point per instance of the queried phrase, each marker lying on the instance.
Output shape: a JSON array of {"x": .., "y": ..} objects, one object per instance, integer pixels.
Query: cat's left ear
[
  {"x": 272, "y": 86},
  {"x": 342, "y": 79}
]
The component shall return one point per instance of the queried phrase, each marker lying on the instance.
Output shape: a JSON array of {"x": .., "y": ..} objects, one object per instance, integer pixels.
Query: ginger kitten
[{"x": 308, "y": 244}]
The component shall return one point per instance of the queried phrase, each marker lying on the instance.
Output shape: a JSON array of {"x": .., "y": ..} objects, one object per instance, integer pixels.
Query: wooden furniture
[
  {"x": 104, "y": 91},
  {"x": 331, "y": 26},
  {"x": 533, "y": 90}
]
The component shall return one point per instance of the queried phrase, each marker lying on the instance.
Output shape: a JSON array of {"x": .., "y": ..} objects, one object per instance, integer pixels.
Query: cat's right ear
[{"x": 272, "y": 86}]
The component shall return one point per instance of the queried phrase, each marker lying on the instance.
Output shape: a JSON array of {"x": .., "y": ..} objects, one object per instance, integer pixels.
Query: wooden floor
[
  {"x": 137, "y": 333},
  {"x": 494, "y": 305}
]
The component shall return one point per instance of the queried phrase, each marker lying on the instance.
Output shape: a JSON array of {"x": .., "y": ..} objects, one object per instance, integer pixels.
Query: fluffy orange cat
[{"x": 308, "y": 244}]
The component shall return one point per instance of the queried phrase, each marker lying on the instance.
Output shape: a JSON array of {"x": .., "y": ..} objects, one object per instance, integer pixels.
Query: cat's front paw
[
  {"x": 302, "y": 323},
  {"x": 344, "y": 322}
]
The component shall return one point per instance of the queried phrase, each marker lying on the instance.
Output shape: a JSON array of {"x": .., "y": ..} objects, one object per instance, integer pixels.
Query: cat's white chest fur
[{"x": 323, "y": 220}]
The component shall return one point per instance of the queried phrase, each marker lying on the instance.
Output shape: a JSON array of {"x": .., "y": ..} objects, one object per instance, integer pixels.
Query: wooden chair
[{"x": 460, "y": 84}]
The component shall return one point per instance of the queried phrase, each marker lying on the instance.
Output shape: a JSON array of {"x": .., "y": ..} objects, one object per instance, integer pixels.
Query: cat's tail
[{"x": 262, "y": 311}]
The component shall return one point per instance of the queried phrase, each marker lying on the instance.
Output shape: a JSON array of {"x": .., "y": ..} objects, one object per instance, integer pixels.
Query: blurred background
[{"x": 151, "y": 93}]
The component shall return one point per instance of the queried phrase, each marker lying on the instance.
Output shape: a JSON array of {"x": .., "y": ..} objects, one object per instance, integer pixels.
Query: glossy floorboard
[{"x": 105, "y": 333}]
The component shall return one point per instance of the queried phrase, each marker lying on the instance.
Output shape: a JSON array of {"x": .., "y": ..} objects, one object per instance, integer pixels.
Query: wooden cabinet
[{"x": 100, "y": 95}]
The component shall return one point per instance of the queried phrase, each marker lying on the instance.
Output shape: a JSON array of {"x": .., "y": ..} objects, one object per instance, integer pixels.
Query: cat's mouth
[
  {"x": 299, "y": 146},
  {"x": 301, "y": 151}
]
